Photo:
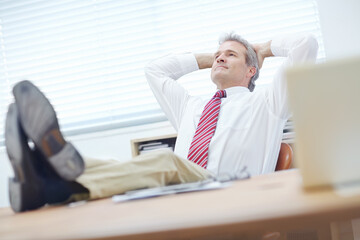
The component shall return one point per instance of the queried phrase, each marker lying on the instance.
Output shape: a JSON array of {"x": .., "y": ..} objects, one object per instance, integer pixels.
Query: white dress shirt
[{"x": 250, "y": 124}]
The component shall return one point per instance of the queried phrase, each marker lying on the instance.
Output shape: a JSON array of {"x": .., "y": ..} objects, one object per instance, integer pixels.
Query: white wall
[
  {"x": 340, "y": 21},
  {"x": 113, "y": 144}
]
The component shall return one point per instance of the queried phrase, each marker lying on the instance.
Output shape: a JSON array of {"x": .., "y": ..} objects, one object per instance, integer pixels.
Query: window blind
[{"x": 88, "y": 56}]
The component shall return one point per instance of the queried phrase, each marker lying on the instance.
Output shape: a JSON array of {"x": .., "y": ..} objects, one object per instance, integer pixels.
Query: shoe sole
[
  {"x": 25, "y": 188},
  {"x": 40, "y": 124}
]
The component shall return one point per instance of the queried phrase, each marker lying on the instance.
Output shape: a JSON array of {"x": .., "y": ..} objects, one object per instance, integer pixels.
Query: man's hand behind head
[{"x": 263, "y": 50}]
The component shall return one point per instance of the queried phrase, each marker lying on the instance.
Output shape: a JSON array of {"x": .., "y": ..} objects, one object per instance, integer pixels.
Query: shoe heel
[
  {"x": 23, "y": 196},
  {"x": 68, "y": 163}
]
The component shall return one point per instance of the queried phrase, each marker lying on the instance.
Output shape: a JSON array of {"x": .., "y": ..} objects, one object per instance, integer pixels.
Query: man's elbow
[
  {"x": 157, "y": 65},
  {"x": 153, "y": 71},
  {"x": 311, "y": 43},
  {"x": 167, "y": 65},
  {"x": 149, "y": 68},
  {"x": 307, "y": 49}
]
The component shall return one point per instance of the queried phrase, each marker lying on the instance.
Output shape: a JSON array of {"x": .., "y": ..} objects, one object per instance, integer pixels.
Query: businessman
[
  {"x": 235, "y": 128},
  {"x": 249, "y": 124}
]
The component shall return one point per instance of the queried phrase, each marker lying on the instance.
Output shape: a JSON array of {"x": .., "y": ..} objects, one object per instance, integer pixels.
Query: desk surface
[{"x": 269, "y": 202}]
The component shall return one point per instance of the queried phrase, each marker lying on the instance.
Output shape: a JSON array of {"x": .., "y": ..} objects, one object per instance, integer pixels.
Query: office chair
[
  {"x": 285, "y": 157},
  {"x": 283, "y": 163}
]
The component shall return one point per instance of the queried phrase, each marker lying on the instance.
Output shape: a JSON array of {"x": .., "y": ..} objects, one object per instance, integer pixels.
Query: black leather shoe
[
  {"x": 38, "y": 119},
  {"x": 26, "y": 188},
  {"x": 35, "y": 183}
]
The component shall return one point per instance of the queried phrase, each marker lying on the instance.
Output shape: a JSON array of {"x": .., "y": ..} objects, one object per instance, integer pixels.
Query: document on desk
[{"x": 171, "y": 189}]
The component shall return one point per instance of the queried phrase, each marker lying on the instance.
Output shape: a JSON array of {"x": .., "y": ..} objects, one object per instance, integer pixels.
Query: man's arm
[
  {"x": 263, "y": 50},
  {"x": 297, "y": 49},
  {"x": 162, "y": 74},
  {"x": 204, "y": 60}
]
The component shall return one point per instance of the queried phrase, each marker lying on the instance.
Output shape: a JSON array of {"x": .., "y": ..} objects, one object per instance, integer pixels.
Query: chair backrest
[{"x": 285, "y": 157}]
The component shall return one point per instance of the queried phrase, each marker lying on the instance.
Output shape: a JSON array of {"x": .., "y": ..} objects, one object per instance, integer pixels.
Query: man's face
[{"x": 229, "y": 68}]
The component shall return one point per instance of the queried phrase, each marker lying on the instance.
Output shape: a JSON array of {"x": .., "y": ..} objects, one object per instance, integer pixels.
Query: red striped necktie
[{"x": 199, "y": 148}]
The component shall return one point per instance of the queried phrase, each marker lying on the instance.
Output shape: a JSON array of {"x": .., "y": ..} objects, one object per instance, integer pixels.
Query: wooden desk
[{"x": 274, "y": 202}]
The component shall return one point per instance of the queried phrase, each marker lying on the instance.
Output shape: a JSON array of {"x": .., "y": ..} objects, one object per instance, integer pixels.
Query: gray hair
[{"x": 251, "y": 58}]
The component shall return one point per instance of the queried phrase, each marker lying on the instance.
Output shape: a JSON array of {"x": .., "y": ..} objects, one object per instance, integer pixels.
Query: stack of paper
[{"x": 148, "y": 147}]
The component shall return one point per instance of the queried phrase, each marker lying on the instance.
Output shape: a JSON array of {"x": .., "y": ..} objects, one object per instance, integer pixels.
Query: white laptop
[{"x": 325, "y": 101}]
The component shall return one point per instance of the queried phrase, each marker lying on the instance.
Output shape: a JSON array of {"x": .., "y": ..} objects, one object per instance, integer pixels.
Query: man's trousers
[{"x": 105, "y": 178}]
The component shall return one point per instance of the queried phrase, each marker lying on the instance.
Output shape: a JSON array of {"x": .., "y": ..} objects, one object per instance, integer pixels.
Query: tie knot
[{"x": 220, "y": 94}]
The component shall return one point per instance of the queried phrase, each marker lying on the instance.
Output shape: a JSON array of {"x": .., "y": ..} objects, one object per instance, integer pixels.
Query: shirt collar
[{"x": 235, "y": 90}]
